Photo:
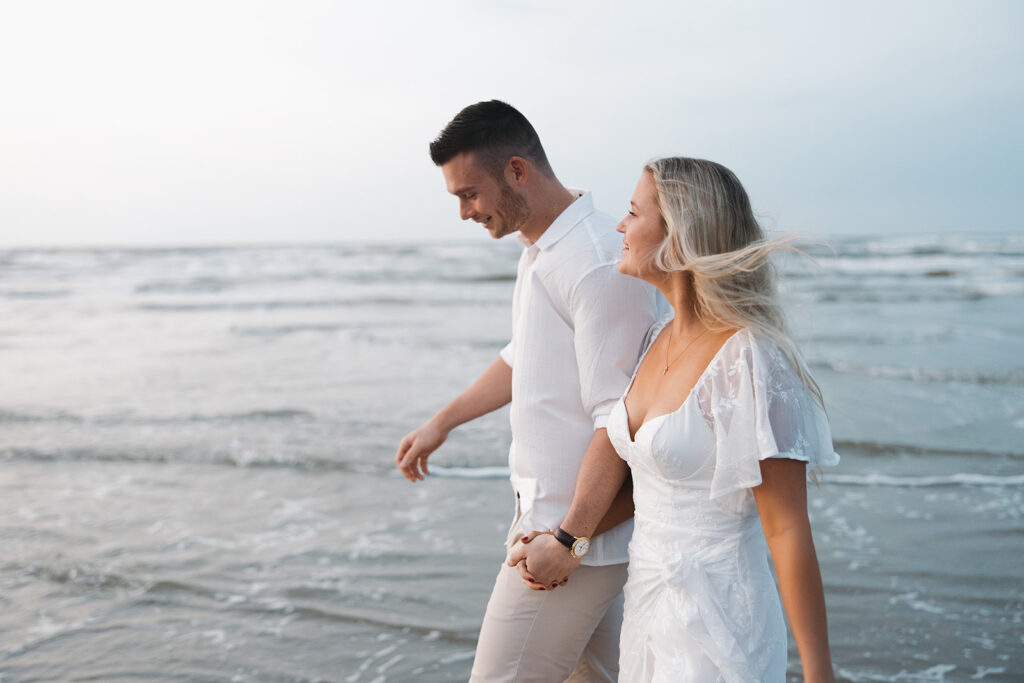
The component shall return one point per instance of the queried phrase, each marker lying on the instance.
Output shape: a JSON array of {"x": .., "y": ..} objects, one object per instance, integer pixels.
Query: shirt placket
[{"x": 521, "y": 297}]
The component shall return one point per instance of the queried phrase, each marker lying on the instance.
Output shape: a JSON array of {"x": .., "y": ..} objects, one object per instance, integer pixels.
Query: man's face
[{"x": 484, "y": 198}]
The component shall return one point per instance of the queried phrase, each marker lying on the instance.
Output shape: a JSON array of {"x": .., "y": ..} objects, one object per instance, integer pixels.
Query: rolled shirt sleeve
[
  {"x": 508, "y": 352},
  {"x": 610, "y": 321}
]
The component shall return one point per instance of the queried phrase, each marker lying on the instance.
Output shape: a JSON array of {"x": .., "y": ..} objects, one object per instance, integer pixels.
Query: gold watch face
[{"x": 580, "y": 547}]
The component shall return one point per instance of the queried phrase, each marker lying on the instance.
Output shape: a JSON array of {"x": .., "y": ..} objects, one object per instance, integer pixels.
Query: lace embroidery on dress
[{"x": 757, "y": 406}]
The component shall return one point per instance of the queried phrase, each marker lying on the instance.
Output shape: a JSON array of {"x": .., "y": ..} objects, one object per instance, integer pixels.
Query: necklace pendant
[{"x": 665, "y": 371}]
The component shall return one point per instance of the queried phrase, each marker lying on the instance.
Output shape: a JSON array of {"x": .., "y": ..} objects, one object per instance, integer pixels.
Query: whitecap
[
  {"x": 959, "y": 479},
  {"x": 470, "y": 472}
]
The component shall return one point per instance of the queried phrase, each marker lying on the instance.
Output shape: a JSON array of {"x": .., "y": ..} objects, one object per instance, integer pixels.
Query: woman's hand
[{"x": 543, "y": 562}]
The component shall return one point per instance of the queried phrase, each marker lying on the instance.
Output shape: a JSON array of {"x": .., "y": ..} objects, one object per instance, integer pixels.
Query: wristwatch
[{"x": 578, "y": 546}]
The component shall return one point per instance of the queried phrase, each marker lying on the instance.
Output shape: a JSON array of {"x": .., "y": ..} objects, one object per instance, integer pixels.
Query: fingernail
[
  {"x": 543, "y": 588},
  {"x": 525, "y": 539}
]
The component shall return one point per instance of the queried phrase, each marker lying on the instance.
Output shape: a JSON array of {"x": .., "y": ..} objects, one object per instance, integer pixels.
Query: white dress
[{"x": 701, "y": 604}]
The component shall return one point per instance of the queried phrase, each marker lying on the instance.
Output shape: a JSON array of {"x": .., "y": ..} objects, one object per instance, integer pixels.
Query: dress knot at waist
[{"x": 694, "y": 600}]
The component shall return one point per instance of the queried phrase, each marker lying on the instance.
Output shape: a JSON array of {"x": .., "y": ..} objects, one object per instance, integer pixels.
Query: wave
[
  {"x": 278, "y": 304},
  {"x": 879, "y": 448},
  {"x": 894, "y": 338},
  {"x": 418, "y": 274},
  {"x": 922, "y": 245},
  {"x": 469, "y": 472},
  {"x": 933, "y": 674},
  {"x": 870, "y": 246},
  {"x": 496, "y": 277},
  {"x": 37, "y": 294},
  {"x": 472, "y": 473},
  {"x": 7, "y": 416},
  {"x": 130, "y": 419},
  {"x": 81, "y": 575},
  {"x": 1011, "y": 378},
  {"x": 381, "y": 466},
  {"x": 167, "y": 456},
  {"x": 958, "y": 479},
  {"x": 282, "y": 330},
  {"x": 861, "y": 296},
  {"x": 196, "y": 285},
  {"x": 159, "y": 591},
  {"x": 149, "y": 590}
]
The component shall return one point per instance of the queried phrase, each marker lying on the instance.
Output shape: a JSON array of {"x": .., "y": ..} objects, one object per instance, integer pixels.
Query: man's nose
[{"x": 464, "y": 210}]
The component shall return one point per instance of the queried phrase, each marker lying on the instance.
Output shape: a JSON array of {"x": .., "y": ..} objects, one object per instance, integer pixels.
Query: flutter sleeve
[{"x": 759, "y": 408}]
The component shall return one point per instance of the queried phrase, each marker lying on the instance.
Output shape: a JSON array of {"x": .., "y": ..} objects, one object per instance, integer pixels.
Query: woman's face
[{"x": 643, "y": 230}]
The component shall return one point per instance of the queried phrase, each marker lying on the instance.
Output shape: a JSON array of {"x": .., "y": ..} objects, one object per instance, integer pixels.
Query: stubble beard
[{"x": 513, "y": 208}]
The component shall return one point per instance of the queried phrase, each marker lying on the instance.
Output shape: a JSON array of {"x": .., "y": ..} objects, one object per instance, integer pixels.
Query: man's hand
[
  {"x": 543, "y": 562},
  {"x": 416, "y": 447},
  {"x": 490, "y": 391}
]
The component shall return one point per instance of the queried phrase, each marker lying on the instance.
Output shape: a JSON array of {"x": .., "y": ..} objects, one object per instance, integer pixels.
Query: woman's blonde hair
[{"x": 711, "y": 233}]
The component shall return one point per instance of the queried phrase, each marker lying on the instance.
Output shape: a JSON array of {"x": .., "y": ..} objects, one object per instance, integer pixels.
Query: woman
[{"x": 717, "y": 426}]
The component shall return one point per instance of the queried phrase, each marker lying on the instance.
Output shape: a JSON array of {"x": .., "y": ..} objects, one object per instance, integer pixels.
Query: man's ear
[{"x": 517, "y": 171}]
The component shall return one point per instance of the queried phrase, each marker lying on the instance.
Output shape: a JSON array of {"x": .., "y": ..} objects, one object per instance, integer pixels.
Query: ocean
[{"x": 197, "y": 478}]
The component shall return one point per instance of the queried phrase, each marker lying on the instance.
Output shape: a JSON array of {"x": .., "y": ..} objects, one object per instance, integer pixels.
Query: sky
[{"x": 224, "y": 122}]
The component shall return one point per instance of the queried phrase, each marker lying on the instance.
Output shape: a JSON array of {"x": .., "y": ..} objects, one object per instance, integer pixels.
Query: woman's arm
[
  {"x": 600, "y": 501},
  {"x": 782, "y": 503},
  {"x": 620, "y": 510}
]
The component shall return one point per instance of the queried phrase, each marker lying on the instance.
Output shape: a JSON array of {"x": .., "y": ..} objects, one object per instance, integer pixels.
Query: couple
[{"x": 705, "y": 419}]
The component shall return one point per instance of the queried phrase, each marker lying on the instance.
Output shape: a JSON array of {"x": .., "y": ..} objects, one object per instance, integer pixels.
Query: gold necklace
[{"x": 669, "y": 346}]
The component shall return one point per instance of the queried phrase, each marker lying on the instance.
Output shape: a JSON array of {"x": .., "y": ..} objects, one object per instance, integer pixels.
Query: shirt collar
[{"x": 582, "y": 207}]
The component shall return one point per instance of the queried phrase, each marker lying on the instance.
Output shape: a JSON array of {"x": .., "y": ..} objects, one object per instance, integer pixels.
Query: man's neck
[{"x": 551, "y": 200}]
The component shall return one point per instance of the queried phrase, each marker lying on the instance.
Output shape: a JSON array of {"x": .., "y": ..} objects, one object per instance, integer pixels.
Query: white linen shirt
[{"x": 578, "y": 326}]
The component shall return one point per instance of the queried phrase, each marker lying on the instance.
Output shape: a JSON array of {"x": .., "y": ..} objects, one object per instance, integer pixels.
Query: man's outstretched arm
[{"x": 491, "y": 390}]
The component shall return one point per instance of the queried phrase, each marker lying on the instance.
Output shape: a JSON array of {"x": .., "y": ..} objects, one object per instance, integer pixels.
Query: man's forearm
[{"x": 490, "y": 391}]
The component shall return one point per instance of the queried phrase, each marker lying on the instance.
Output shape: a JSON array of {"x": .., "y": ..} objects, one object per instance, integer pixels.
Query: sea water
[{"x": 197, "y": 446}]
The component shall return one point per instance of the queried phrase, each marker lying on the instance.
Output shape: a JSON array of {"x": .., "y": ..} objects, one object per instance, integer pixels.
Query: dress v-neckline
[{"x": 625, "y": 411}]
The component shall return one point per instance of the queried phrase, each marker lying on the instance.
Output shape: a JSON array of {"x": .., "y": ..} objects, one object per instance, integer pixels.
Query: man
[{"x": 577, "y": 330}]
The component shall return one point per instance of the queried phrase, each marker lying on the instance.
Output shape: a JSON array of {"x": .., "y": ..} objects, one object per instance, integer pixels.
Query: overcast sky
[{"x": 143, "y": 122}]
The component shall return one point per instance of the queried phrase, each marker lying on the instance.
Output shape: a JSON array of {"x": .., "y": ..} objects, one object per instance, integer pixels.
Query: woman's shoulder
[
  {"x": 748, "y": 350},
  {"x": 737, "y": 345}
]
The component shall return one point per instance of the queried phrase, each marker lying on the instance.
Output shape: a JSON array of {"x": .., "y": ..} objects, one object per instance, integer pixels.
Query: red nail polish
[
  {"x": 525, "y": 539},
  {"x": 543, "y": 588}
]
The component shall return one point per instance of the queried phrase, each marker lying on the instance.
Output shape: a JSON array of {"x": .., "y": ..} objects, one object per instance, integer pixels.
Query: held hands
[
  {"x": 416, "y": 447},
  {"x": 543, "y": 562}
]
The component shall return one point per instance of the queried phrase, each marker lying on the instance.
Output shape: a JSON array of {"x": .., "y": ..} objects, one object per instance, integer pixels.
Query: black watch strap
[{"x": 565, "y": 538}]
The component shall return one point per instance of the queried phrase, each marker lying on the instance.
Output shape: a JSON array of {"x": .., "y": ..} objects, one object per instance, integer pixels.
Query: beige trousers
[{"x": 570, "y": 633}]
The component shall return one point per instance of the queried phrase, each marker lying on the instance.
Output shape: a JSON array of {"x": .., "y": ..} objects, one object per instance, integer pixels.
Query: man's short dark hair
[{"x": 495, "y": 132}]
